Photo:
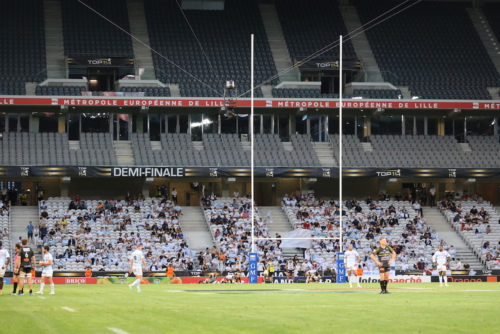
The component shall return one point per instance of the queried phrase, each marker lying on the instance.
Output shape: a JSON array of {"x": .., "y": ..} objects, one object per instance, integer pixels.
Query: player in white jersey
[
  {"x": 47, "y": 270},
  {"x": 4, "y": 263},
  {"x": 441, "y": 259},
  {"x": 136, "y": 262},
  {"x": 352, "y": 261}
]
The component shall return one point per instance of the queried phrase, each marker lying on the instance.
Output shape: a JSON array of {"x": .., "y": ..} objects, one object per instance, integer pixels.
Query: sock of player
[
  {"x": 1, "y": 283},
  {"x": 440, "y": 279},
  {"x": 15, "y": 288},
  {"x": 137, "y": 281},
  {"x": 52, "y": 287},
  {"x": 445, "y": 279},
  {"x": 358, "y": 279},
  {"x": 138, "y": 285},
  {"x": 385, "y": 284},
  {"x": 42, "y": 285},
  {"x": 382, "y": 284}
]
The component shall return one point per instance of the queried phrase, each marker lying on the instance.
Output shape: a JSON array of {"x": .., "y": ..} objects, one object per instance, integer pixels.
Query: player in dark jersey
[
  {"x": 383, "y": 256},
  {"x": 17, "y": 264},
  {"x": 28, "y": 263}
]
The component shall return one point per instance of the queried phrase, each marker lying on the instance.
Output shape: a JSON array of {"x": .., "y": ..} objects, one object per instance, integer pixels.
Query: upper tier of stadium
[{"x": 431, "y": 50}]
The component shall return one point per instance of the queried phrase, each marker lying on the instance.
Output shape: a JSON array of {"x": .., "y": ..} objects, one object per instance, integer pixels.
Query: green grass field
[{"x": 244, "y": 308}]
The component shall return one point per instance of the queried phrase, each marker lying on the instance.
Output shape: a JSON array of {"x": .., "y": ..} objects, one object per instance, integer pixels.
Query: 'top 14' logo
[
  {"x": 452, "y": 173},
  {"x": 390, "y": 172}
]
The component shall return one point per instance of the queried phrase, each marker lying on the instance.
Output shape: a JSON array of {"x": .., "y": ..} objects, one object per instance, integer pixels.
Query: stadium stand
[
  {"x": 451, "y": 64},
  {"x": 226, "y": 44},
  {"x": 309, "y": 26},
  {"x": 22, "y": 45},
  {"x": 228, "y": 221},
  {"x": 101, "y": 234},
  {"x": 149, "y": 91},
  {"x": 23, "y": 148},
  {"x": 87, "y": 34},
  {"x": 417, "y": 151},
  {"x": 60, "y": 90},
  {"x": 477, "y": 223},
  {"x": 491, "y": 11},
  {"x": 365, "y": 223}
]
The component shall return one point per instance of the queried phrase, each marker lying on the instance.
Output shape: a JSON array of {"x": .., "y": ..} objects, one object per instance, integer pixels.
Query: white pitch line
[
  {"x": 68, "y": 309},
  {"x": 174, "y": 290},
  {"x": 118, "y": 330},
  {"x": 41, "y": 297}
]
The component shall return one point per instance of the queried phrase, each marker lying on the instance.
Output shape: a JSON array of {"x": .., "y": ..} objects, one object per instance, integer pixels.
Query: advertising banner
[
  {"x": 259, "y": 103},
  {"x": 145, "y": 280},
  {"x": 78, "y": 61},
  {"x": 397, "y": 279},
  {"x": 341, "y": 272},
  {"x": 63, "y": 280},
  {"x": 252, "y": 265},
  {"x": 328, "y": 65},
  {"x": 197, "y": 280}
]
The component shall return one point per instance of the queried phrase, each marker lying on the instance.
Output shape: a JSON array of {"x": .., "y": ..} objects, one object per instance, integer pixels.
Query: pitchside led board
[
  {"x": 252, "y": 268},
  {"x": 340, "y": 268}
]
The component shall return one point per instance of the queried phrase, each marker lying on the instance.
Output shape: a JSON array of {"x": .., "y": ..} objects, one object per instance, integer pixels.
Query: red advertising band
[{"x": 258, "y": 103}]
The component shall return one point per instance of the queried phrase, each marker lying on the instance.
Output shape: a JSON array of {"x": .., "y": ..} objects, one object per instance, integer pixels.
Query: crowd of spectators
[
  {"x": 364, "y": 223},
  {"x": 102, "y": 234},
  {"x": 478, "y": 222},
  {"x": 230, "y": 224}
]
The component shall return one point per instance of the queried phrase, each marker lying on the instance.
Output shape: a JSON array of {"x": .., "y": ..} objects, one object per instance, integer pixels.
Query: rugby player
[
  {"x": 441, "y": 259},
  {"x": 47, "y": 271},
  {"x": 383, "y": 256},
  {"x": 352, "y": 261},
  {"x": 136, "y": 262},
  {"x": 27, "y": 263},
  {"x": 17, "y": 264},
  {"x": 4, "y": 263}
]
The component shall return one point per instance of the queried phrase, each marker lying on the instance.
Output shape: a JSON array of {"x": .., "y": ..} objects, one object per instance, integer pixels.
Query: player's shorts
[
  {"x": 289, "y": 272},
  {"x": 351, "y": 266},
  {"x": 384, "y": 268},
  {"x": 47, "y": 272},
  {"x": 25, "y": 272},
  {"x": 137, "y": 271},
  {"x": 441, "y": 267},
  {"x": 2, "y": 272}
]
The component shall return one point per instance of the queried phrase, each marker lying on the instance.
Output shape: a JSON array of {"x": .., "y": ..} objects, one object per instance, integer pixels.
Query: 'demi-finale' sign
[{"x": 148, "y": 172}]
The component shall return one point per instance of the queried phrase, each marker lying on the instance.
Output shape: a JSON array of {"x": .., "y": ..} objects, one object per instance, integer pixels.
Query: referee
[{"x": 383, "y": 256}]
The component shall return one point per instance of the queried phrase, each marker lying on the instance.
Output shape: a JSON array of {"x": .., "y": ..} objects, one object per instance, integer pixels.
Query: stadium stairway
[
  {"x": 195, "y": 229},
  {"x": 437, "y": 221},
  {"x": 124, "y": 153},
  {"x": 277, "y": 43},
  {"x": 139, "y": 29},
  {"x": 325, "y": 154},
  {"x": 486, "y": 35},
  {"x": 21, "y": 216},
  {"x": 281, "y": 225},
  {"x": 56, "y": 66},
  {"x": 361, "y": 44}
]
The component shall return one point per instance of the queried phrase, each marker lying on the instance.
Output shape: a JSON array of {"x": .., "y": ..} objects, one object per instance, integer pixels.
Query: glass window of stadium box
[
  {"x": 300, "y": 124},
  {"x": 73, "y": 126},
  {"x": 156, "y": 126},
  {"x": 183, "y": 123},
  {"x": 385, "y": 125},
  {"x": 13, "y": 122},
  {"x": 195, "y": 126},
  {"x": 257, "y": 124},
  {"x": 45, "y": 122},
  {"x": 140, "y": 123},
  {"x": 228, "y": 124},
  {"x": 282, "y": 126},
  {"x": 120, "y": 128},
  {"x": 210, "y": 123},
  {"x": 348, "y": 126},
  {"x": 432, "y": 126},
  {"x": 24, "y": 122},
  {"x": 243, "y": 124},
  {"x": 409, "y": 124},
  {"x": 95, "y": 122},
  {"x": 267, "y": 122},
  {"x": 480, "y": 126},
  {"x": 419, "y": 125},
  {"x": 2, "y": 122},
  {"x": 172, "y": 123},
  {"x": 318, "y": 128}
]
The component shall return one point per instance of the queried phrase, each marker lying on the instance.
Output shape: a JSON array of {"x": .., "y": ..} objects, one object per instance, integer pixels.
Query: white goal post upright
[
  {"x": 340, "y": 145},
  {"x": 252, "y": 174}
]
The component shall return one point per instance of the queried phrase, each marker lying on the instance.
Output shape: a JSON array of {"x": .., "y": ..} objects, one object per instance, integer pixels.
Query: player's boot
[
  {"x": 20, "y": 294},
  {"x": 52, "y": 293},
  {"x": 359, "y": 286},
  {"x": 140, "y": 291},
  {"x": 446, "y": 284},
  {"x": 440, "y": 284},
  {"x": 131, "y": 287},
  {"x": 1, "y": 292},
  {"x": 39, "y": 293}
]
